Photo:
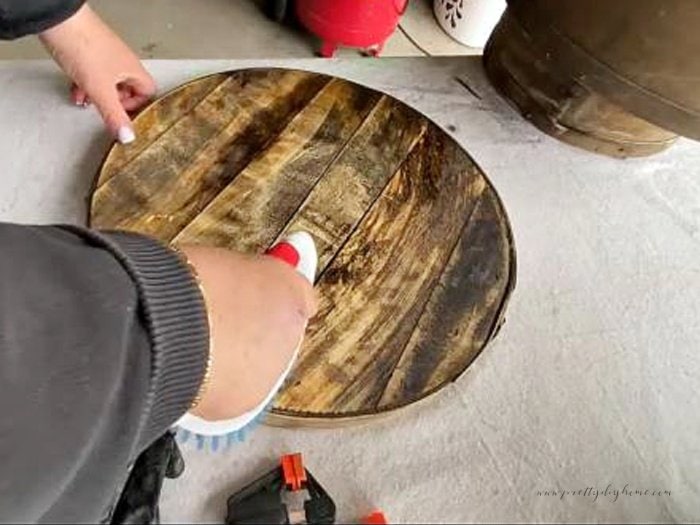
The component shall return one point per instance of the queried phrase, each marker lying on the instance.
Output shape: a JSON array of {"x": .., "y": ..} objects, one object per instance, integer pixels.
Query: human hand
[
  {"x": 105, "y": 71},
  {"x": 258, "y": 309}
]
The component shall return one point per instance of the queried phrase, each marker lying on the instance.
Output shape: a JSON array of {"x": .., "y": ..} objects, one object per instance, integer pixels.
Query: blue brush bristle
[{"x": 216, "y": 443}]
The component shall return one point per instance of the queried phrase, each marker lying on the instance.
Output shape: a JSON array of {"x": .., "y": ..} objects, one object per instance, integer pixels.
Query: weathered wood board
[{"x": 416, "y": 255}]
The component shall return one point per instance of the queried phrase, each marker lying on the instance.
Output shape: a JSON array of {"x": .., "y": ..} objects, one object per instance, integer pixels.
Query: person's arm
[
  {"x": 104, "y": 343},
  {"x": 104, "y": 70}
]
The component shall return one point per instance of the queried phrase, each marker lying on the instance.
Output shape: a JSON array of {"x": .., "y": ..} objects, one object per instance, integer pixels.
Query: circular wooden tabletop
[{"x": 416, "y": 254}]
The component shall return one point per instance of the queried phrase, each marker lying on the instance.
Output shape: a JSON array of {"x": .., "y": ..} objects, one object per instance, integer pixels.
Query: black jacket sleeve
[
  {"x": 23, "y": 17},
  {"x": 103, "y": 346}
]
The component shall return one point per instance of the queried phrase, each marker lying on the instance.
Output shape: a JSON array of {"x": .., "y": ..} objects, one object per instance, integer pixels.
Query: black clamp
[{"x": 287, "y": 494}]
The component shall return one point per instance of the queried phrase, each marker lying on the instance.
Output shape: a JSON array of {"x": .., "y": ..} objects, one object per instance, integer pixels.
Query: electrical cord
[{"x": 413, "y": 41}]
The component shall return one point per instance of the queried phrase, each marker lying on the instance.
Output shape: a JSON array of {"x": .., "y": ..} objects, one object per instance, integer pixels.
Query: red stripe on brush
[{"x": 284, "y": 252}]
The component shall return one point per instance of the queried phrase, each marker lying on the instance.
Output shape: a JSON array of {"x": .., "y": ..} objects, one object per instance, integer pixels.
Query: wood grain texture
[
  {"x": 416, "y": 255},
  {"x": 255, "y": 207},
  {"x": 157, "y": 120}
]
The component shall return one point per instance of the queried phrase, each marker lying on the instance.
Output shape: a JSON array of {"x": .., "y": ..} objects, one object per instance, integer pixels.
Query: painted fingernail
[
  {"x": 297, "y": 250},
  {"x": 126, "y": 135}
]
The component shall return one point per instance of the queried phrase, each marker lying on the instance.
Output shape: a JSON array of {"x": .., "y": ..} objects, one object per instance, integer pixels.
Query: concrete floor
[{"x": 201, "y": 29}]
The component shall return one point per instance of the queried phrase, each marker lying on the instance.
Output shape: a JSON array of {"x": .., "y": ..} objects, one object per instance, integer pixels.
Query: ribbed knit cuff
[{"x": 176, "y": 319}]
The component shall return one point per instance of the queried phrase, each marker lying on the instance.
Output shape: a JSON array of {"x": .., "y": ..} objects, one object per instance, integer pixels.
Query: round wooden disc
[{"x": 416, "y": 254}]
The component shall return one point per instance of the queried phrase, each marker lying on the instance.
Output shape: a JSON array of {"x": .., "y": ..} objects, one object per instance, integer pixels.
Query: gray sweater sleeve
[
  {"x": 23, "y": 17},
  {"x": 103, "y": 345}
]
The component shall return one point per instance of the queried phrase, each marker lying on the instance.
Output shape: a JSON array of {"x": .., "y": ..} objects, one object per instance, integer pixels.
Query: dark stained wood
[
  {"x": 416, "y": 255},
  {"x": 463, "y": 311},
  {"x": 157, "y": 120},
  {"x": 381, "y": 281},
  {"x": 354, "y": 181},
  {"x": 186, "y": 167},
  {"x": 252, "y": 211}
]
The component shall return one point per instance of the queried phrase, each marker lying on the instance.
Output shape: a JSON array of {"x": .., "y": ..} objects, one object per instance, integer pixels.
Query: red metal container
[{"x": 364, "y": 24}]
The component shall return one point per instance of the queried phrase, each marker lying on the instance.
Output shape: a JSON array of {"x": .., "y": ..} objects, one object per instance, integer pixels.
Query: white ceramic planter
[{"x": 470, "y": 22}]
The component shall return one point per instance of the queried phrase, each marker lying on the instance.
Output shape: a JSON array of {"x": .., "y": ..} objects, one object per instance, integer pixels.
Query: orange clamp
[
  {"x": 293, "y": 472},
  {"x": 376, "y": 518}
]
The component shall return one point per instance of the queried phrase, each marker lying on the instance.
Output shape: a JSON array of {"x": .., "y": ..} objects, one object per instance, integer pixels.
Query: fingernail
[
  {"x": 126, "y": 135},
  {"x": 298, "y": 250}
]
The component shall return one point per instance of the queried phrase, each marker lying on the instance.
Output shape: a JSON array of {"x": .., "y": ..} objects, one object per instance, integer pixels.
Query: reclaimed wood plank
[
  {"x": 354, "y": 181},
  {"x": 381, "y": 280},
  {"x": 251, "y": 211},
  {"x": 188, "y": 165},
  {"x": 462, "y": 312},
  {"x": 156, "y": 120}
]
